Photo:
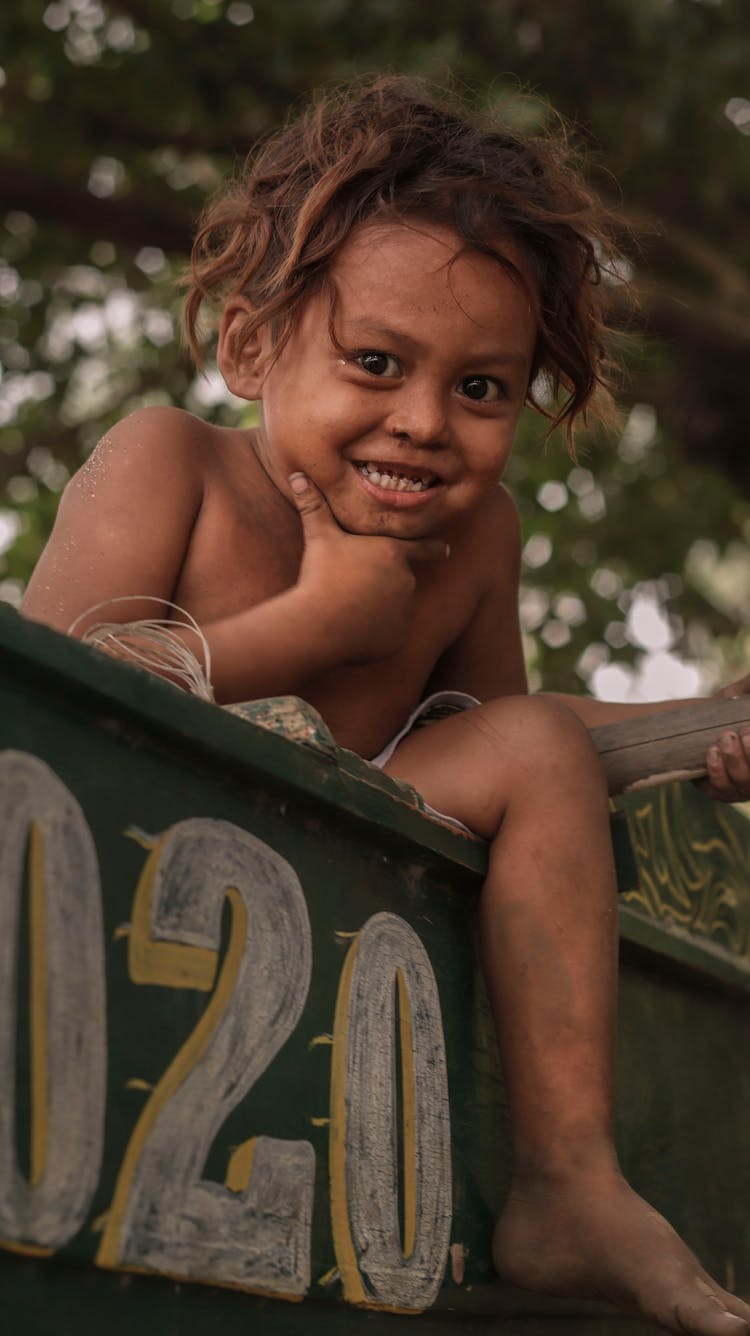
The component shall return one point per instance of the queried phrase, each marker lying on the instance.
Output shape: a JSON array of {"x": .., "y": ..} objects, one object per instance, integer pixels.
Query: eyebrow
[{"x": 376, "y": 329}]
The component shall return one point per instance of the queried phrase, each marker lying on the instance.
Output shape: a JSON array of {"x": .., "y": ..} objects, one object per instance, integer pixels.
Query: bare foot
[{"x": 593, "y": 1237}]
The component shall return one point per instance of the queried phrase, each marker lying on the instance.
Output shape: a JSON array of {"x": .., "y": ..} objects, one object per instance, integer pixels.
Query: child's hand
[
  {"x": 728, "y": 761},
  {"x": 364, "y": 584}
]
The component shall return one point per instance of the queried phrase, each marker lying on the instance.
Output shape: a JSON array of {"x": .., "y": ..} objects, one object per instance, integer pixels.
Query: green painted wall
[{"x": 140, "y": 759}]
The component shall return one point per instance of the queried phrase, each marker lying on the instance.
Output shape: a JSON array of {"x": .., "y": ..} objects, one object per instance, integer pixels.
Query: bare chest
[
  {"x": 243, "y": 552},
  {"x": 232, "y": 561}
]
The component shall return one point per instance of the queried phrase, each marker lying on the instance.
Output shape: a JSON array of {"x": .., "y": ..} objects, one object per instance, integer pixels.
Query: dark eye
[
  {"x": 378, "y": 364},
  {"x": 482, "y": 389}
]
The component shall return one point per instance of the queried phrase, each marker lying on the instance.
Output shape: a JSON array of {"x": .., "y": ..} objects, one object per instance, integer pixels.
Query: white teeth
[{"x": 393, "y": 482}]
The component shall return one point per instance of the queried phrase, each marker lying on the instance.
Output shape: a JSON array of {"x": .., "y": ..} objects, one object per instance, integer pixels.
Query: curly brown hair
[{"x": 392, "y": 148}]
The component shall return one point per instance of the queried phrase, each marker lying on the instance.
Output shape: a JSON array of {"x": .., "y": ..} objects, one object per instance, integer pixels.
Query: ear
[{"x": 242, "y": 361}]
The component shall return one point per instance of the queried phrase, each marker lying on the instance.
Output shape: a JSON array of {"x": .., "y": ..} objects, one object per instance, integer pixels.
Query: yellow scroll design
[{"x": 693, "y": 865}]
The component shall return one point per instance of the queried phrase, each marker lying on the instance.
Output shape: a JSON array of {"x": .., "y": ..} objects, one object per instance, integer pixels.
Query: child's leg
[{"x": 523, "y": 773}]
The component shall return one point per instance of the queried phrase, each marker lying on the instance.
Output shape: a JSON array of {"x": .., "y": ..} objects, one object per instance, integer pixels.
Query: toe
[
  {"x": 736, "y": 1307},
  {"x": 709, "y": 1316}
]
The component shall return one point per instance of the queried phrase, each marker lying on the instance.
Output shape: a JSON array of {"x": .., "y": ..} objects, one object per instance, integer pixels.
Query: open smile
[{"x": 396, "y": 484}]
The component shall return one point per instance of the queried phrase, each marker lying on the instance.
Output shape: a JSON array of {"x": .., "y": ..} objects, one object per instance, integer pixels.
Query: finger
[
  {"x": 720, "y": 785},
  {"x": 310, "y": 502},
  {"x": 735, "y": 757},
  {"x": 716, "y": 785},
  {"x": 735, "y": 690},
  {"x": 426, "y": 549}
]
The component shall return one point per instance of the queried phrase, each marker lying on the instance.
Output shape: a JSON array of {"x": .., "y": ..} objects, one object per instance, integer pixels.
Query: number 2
[{"x": 254, "y": 1230}]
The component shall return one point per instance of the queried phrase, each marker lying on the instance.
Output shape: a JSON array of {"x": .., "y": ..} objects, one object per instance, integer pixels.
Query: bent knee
[
  {"x": 520, "y": 752},
  {"x": 543, "y": 732}
]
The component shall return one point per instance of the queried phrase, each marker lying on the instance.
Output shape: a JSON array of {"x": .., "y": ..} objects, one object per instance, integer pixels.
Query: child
[{"x": 393, "y": 279}]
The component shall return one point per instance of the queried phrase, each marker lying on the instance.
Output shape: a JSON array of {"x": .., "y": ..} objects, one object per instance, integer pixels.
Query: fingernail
[
  {"x": 298, "y": 482},
  {"x": 729, "y": 741},
  {"x": 714, "y": 756},
  {"x": 447, "y": 549}
]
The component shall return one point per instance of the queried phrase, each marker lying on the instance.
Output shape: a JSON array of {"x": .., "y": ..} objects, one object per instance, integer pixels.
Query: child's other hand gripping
[
  {"x": 728, "y": 761},
  {"x": 363, "y": 584}
]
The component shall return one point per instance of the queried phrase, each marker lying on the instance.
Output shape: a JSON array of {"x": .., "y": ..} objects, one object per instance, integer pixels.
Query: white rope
[{"x": 153, "y": 643}]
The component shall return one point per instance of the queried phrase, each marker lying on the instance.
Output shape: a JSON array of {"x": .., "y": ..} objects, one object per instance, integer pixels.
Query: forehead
[{"x": 417, "y": 269}]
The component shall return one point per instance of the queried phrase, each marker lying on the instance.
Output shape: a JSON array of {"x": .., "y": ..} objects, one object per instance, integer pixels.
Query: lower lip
[{"x": 387, "y": 496}]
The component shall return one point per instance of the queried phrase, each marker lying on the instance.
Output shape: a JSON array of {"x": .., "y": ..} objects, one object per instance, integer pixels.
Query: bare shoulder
[
  {"x": 125, "y": 518},
  {"x": 148, "y": 444}
]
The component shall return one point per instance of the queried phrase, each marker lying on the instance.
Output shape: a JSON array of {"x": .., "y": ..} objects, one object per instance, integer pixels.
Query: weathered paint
[
  {"x": 376, "y": 1265},
  {"x": 143, "y": 775},
  {"x": 67, "y": 1006},
  {"x": 255, "y": 1231}
]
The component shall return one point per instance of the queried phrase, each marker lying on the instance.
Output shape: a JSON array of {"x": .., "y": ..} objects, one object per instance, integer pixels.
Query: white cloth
[{"x": 437, "y": 706}]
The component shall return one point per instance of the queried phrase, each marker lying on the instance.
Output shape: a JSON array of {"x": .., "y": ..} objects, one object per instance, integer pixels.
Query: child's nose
[{"x": 419, "y": 415}]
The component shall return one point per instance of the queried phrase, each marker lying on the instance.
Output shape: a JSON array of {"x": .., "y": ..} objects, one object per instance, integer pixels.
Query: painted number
[
  {"x": 387, "y": 968},
  {"x": 254, "y": 1230},
  {"x": 44, "y": 830}
]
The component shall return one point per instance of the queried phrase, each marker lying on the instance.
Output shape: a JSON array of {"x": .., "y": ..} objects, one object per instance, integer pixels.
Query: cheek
[
  {"x": 323, "y": 426},
  {"x": 490, "y": 461},
  {"x": 311, "y": 429},
  {"x": 304, "y": 441},
  {"x": 288, "y": 426}
]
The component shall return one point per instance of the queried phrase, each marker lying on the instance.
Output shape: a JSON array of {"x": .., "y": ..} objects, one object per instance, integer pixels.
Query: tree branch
[
  {"x": 678, "y": 313},
  {"x": 667, "y": 240},
  {"x": 130, "y": 220},
  {"x": 206, "y": 53}
]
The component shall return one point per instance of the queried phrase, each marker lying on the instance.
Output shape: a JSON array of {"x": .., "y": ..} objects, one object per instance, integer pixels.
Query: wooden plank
[
  {"x": 659, "y": 748},
  {"x": 126, "y": 699}
]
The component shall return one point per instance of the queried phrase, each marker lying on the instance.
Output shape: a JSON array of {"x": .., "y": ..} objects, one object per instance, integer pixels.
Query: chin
[
  {"x": 385, "y": 526},
  {"x": 372, "y": 522}
]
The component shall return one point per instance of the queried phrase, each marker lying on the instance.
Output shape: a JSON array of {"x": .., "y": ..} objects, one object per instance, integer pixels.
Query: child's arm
[
  {"x": 124, "y": 527},
  {"x": 123, "y": 523}
]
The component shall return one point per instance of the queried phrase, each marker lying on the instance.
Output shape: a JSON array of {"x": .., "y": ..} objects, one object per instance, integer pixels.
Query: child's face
[{"x": 429, "y": 387}]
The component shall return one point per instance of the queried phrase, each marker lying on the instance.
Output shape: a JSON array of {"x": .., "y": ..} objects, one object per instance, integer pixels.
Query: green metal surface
[{"x": 140, "y": 758}]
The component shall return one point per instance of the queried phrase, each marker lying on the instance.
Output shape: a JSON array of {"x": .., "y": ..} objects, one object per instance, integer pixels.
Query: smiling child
[{"x": 391, "y": 278}]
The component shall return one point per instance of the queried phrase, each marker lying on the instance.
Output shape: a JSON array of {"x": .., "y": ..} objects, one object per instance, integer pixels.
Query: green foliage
[{"x": 118, "y": 116}]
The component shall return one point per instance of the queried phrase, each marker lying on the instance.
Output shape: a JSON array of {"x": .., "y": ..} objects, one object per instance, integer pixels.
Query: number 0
[
  {"x": 378, "y": 1266},
  {"x": 67, "y": 1006}
]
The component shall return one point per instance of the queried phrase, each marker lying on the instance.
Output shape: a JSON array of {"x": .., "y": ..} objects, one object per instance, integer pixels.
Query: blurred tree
[{"x": 120, "y": 115}]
